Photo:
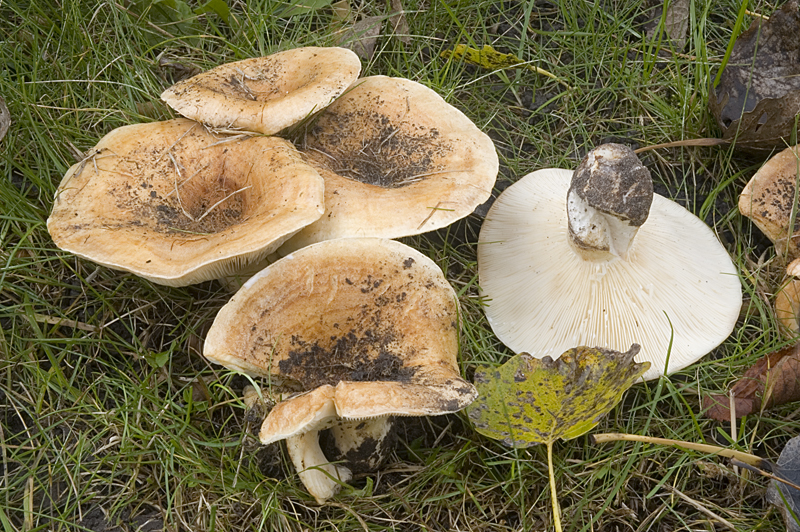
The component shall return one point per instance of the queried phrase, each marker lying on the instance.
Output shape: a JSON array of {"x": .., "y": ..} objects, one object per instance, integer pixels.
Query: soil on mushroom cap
[
  {"x": 365, "y": 355},
  {"x": 382, "y": 154},
  {"x": 198, "y": 211},
  {"x": 179, "y": 194}
]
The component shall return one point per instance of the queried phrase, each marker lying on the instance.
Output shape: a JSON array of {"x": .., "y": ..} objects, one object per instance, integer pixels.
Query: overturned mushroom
[
  {"x": 266, "y": 94},
  {"x": 360, "y": 329},
  {"x": 397, "y": 161},
  {"x": 559, "y": 266},
  {"x": 177, "y": 205},
  {"x": 770, "y": 199}
]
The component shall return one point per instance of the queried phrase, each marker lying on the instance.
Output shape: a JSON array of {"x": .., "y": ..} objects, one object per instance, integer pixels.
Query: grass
[{"x": 108, "y": 412}]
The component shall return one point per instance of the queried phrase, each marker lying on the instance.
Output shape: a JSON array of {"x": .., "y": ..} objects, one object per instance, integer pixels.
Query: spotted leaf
[{"x": 528, "y": 401}]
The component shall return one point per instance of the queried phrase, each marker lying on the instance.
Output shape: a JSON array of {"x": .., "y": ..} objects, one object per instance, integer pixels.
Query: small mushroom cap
[
  {"x": 266, "y": 94},
  {"x": 177, "y": 205},
  {"x": 543, "y": 298},
  {"x": 373, "y": 318},
  {"x": 312, "y": 410},
  {"x": 397, "y": 161},
  {"x": 770, "y": 200}
]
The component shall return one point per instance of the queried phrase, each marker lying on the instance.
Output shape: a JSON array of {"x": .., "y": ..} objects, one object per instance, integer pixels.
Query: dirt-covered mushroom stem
[{"x": 608, "y": 200}]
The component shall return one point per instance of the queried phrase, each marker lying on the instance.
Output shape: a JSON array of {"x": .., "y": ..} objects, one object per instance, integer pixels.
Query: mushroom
[
  {"x": 266, "y": 94},
  {"x": 770, "y": 201},
  {"x": 397, "y": 161},
  {"x": 177, "y": 205},
  {"x": 552, "y": 281},
  {"x": 359, "y": 330},
  {"x": 787, "y": 301},
  {"x": 787, "y": 308}
]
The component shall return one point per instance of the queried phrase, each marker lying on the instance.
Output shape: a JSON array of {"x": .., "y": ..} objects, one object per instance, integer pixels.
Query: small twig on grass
[
  {"x": 724, "y": 522},
  {"x": 54, "y": 320},
  {"x": 763, "y": 470},
  {"x": 688, "y": 142},
  {"x": 747, "y": 458}
]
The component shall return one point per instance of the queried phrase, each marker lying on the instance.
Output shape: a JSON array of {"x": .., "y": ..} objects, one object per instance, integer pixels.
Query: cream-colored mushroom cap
[
  {"x": 673, "y": 284},
  {"x": 770, "y": 200},
  {"x": 787, "y": 308},
  {"x": 266, "y": 94},
  {"x": 175, "y": 204},
  {"x": 349, "y": 313},
  {"x": 397, "y": 161},
  {"x": 364, "y": 328}
]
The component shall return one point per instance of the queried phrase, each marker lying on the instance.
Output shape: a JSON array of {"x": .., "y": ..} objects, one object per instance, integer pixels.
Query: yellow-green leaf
[
  {"x": 488, "y": 57},
  {"x": 528, "y": 401},
  {"x": 491, "y": 59}
]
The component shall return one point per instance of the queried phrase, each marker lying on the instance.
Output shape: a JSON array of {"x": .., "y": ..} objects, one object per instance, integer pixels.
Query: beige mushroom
[
  {"x": 787, "y": 308},
  {"x": 593, "y": 257},
  {"x": 787, "y": 301},
  {"x": 266, "y": 94},
  {"x": 177, "y": 205},
  {"x": 360, "y": 329},
  {"x": 770, "y": 200},
  {"x": 397, "y": 161}
]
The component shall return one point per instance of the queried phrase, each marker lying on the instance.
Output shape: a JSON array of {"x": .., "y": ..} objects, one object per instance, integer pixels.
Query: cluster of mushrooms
[{"x": 292, "y": 169}]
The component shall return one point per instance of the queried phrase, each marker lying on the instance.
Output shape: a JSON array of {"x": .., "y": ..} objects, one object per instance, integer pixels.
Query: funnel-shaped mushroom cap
[
  {"x": 543, "y": 296},
  {"x": 177, "y": 205},
  {"x": 770, "y": 200},
  {"x": 373, "y": 318},
  {"x": 266, "y": 94},
  {"x": 397, "y": 161}
]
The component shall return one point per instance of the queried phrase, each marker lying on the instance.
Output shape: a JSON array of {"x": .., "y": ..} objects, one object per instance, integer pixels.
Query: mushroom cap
[
  {"x": 770, "y": 200},
  {"x": 543, "y": 298},
  {"x": 177, "y": 205},
  {"x": 266, "y": 94},
  {"x": 787, "y": 308},
  {"x": 372, "y": 318},
  {"x": 397, "y": 161}
]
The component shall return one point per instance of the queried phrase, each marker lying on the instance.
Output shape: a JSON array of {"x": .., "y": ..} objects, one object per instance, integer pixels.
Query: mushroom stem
[
  {"x": 320, "y": 477},
  {"x": 363, "y": 443},
  {"x": 608, "y": 201}
]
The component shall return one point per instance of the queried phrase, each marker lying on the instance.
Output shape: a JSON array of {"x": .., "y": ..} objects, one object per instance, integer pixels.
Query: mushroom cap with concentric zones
[
  {"x": 677, "y": 292},
  {"x": 397, "y": 161},
  {"x": 266, "y": 94},
  {"x": 372, "y": 318},
  {"x": 177, "y": 205}
]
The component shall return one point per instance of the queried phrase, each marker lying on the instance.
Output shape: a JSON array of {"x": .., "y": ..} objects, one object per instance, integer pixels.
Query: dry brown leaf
[
  {"x": 758, "y": 95},
  {"x": 676, "y": 23},
  {"x": 399, "y": 22},
  {"x": 772, "y": 381},
  {"x": 360, "y": 37},
  {"x": 5, "y": 118}
]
